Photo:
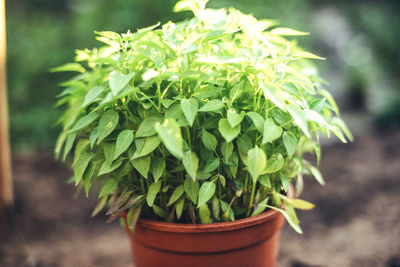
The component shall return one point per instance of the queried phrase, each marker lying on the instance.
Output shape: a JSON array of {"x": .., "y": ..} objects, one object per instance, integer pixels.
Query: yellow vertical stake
[{"x": 6, "y": 187}]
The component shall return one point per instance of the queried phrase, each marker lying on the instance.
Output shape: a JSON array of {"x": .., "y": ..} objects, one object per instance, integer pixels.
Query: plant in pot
[{"x": 193, "y": 133}]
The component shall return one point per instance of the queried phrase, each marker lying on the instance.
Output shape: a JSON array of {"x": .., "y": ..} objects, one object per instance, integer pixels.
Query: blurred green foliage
[{"x": 44, "y": 33}]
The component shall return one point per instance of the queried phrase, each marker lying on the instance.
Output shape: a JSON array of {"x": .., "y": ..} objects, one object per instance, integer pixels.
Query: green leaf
[
  {"x": 108, "y": 188},
  {"x": 69, "y": 67},
  {"x": 287, "y": 31},
  {"x": 80, "y": 166},
  {"x": 150, "y": 74},
  {"x": 108, "y": 34},
  {"x": 206, "y": 91},
  {"x": 233, "y": 164},
  {"x": 118, "y": 81},
  {"x": 133, "y": 201},
  {"x": 146, "y": 128},
  {"x": 226, "y": 151},
  {"x": 192, "y": 189},
  {"x": 304, "y": 54},
  {"x": 244, "y": 143},
  {"x": 68, "y": 145},
  {"x": 60, "y": 143},
  {"x": 291, "y": 218},
  {"x": 317, "y": 175},
  {"x": 190, "y": 5},
  {"x": 234, "y": 119},
  {"x": 228, "y": 133},
  {"x": 213, "y": 105},
  {"x": 171, "y": 136},
  {"x": 299, "y": 118},
  {"x": 274, "y": 94},
  {"x": 134, "y": 217},
  {"x": 121, "y": 200},
  {"x": 85, "y": 121},
  {"x": 216, "y": 208},
  {"x": 159, "y": 211},
  {"x": 258, "y": 120},
  {"x": 209, "y": 140},
  {"x": 204, "y": 213},
  {"x": 109, "y": 148},
  {"x": 191, "y": 163},
  {"x": 124, "y": 140},
  {"x": 87, "y": 178},
  {"x": 142, "y": 165},
  {"x": 290, "y": 142},
  {"x": 221, "y": 179},
  {"x": 316, "y": 117},
  {"x": 298, "y": 203},
  {"x": 178, "y": 192},
  {"x": 157, "y": 168},
  {"x": 108, "y": 167},
  {"x": 275, "y": 163},
  {"x": 271, "y": 131},
  {"x": 93, "y": 137},
  {"x": 317, "y": 149},
  {"x": 228, "y": 212},
  {"x": 189, "y": 108},
  {"x": 340, "y": 123},
  {"x": 154, "y": 189},
  {"x": 107, "y": 124},
  {"x": 330, "y": 99},
  {"x": 102, "y": 203},
  {"x": 174, "y": 112},
  {"x": 92, "y": 94},
  {"x": 211, "y": 165},
  {"x": 264, "y": 180},
  {"x": 256, "y": 161},
  {"x": 285, "y": 180},
  {"x": 179, "y": 207},
  {"x": 80, "y": 148},
  {"x": 206, "y": 192},
  {"x": 236, "y": 91},
  {"x": 150, "y": 144},
  {"x": 260, "y": 207}
]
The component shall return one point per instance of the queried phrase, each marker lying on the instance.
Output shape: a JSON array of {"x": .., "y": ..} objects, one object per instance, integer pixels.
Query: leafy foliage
[{"x": 204, "y": 120}]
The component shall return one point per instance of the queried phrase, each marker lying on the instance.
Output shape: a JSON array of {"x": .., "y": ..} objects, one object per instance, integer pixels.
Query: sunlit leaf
[
  {"x": 154, "y": 189},
  {"x": 227, "y": 131},
  {"x": 171, "y": 136},
  {"x": 108, "y": 122},
  {"x": 206, "y": 192},
  {"x": 189, "y": 108},
  {"x": 271, "y": 131},
  {"x": 124, "y": 140},
  {"x": 108, "y": 188},
  {"x": 191, "y": 163},
  {"x": 256, "y": 162},
  {"x": 119, "y": 80},
  {"x": 209, "y": 140}
]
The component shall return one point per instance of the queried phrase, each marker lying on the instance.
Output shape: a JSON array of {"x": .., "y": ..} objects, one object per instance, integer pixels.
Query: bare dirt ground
[{"x": 356, "y": 221}]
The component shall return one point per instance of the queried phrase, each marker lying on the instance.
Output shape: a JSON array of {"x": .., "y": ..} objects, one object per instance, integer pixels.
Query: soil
[{"x": 356, "y": 221}]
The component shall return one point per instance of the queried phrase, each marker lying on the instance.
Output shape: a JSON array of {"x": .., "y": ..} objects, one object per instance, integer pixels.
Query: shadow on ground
[{"x": 356, "y": 221}]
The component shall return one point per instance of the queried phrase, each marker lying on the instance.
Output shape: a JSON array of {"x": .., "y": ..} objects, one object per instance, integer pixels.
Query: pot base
[{"x": 251, "y": 242}]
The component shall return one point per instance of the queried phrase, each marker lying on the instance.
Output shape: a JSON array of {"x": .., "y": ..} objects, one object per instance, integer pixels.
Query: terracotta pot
[{"x": 251, "y": 242}]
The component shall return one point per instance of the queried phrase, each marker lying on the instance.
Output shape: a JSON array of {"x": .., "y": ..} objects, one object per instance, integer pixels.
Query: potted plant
[{"x": 194, "y": 132}]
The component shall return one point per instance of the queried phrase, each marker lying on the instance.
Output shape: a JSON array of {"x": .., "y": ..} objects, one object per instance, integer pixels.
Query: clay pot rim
[{"x": 209, "y": 227}]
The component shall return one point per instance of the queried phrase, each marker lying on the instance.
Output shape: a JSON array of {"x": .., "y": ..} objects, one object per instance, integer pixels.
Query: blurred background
[{"x": 357, "y": 218}]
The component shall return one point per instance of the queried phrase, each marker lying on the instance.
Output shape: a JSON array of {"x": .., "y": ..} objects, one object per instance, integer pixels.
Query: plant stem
[
  {"x": 253, "y": 190},
  {"x": 159, "y": 94},
  {"x": 142, "y": 185},
  {"x": 188, "y": 136},
  {"x": 246, "y": 181}
]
